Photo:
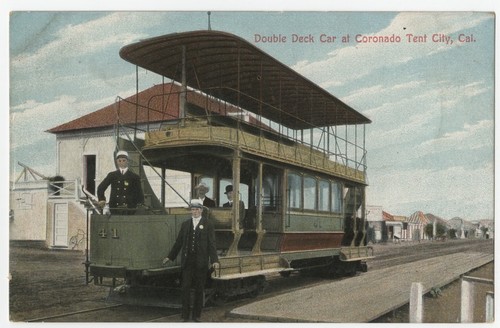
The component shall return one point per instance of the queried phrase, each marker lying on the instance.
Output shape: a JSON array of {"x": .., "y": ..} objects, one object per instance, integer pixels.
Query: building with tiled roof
[
  {"x": 85, "y": 153},
  {"x": 125, "y": 112},
  {"x": 395, "y": 228},
  {"x": 155, "y": 105},
  {"x": 90, "y": 140},
  {"x": 416, "y": 225},
  {"x": 418, "y": 218}
]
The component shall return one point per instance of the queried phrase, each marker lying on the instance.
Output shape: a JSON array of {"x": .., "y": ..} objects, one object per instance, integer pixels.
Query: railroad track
[
  {"x": 386, "y": 256},
  {"x": 395, "y": 255},
  {"x": 113, "y": 313},
  {"x": 71, "y": 314}
]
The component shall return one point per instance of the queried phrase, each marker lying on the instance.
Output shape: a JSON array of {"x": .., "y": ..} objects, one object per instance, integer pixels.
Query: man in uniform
[
  {"x": 196, "y": 241},
  {"x": 126, "y": 191}
]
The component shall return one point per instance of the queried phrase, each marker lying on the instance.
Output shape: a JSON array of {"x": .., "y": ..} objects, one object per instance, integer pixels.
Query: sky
[{"x": 431, "y": 141}]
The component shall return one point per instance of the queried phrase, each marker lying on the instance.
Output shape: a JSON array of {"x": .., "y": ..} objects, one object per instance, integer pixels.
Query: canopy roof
[{"x": 230, "y": 68}]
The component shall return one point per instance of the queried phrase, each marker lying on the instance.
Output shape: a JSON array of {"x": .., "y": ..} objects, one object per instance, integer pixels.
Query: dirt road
[{"x": 47, "y": 282}]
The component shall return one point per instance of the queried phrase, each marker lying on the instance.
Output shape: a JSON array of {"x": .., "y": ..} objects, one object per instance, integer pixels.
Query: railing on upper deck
[
  {"x": 333, "y": 147},
  {"x": 300, "y": 155}
]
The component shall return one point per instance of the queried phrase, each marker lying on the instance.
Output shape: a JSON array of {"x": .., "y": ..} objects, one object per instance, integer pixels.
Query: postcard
[{"x": 305, "y": 145}]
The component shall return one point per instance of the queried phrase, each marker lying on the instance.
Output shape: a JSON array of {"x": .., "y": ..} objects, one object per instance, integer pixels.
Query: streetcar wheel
[{"x": 260, "y": 284}]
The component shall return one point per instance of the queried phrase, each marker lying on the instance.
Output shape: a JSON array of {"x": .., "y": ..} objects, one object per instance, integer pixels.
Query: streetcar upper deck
[
  {"x": 279, "y": 114},
  {"x": 235, "y": 71}
]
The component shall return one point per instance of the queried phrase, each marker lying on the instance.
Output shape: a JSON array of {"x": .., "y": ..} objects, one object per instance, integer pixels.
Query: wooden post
[
  {"x": 260, "y": 231},
  {"x": 416, "y": 303},
  {"x": 233, "y": 249},
  {"x": 467, "y": 302},
  {"x": 163, "y": 196},
  {"x": 236, "y": 191},
  {"x": 183, "y": 95}
]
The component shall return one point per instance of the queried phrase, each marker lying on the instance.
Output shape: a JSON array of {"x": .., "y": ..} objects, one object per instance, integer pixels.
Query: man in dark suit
[
  {"x": 126, "y": 191},
  {"x": 201, "y": 191},
  {"x": 196, "y": 240},
  {"x": 229, "y": 193}
]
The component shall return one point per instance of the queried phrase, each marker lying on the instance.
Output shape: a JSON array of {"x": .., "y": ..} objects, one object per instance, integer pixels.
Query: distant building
[
  {"x": 383, "y": 226},
  {"x": 91, "y": 140},
  {"x": 403, "y": 220},
  {"x": 394, "y": 227},
  {"x": 376, "y": 225},
  {"x": 487, "y": 228},
  {"x": 416, "y": 226},
  {"x": 464, "y": 228}
]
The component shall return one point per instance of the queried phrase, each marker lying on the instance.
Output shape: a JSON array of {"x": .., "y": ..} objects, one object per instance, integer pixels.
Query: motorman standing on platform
[
  {"x": 126, "y": 191},
  {"x": 196, "y": 240}
]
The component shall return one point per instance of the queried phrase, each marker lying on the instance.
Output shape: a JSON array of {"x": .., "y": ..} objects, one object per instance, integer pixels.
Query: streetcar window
[
  {"x": 294, "y": 191},
  {"x": 323, "y": 195},
  {"x": 336, "y": 197},
  {"x": 271, "y": 200},
  {"x": 309, "y": 193}
]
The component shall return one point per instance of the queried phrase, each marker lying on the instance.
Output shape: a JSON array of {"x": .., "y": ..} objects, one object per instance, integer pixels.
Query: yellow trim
[{"x": 196, "y": 133}]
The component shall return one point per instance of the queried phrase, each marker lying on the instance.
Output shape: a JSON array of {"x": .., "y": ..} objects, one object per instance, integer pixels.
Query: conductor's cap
[
  {"x": 121, "y": 153},
  {"x": 196, "y": 203}
]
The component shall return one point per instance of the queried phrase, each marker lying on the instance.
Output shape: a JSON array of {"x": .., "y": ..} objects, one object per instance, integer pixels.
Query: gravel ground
[
  {"x": 45, "y": 282},
  {"x": 48, "y": 281}
]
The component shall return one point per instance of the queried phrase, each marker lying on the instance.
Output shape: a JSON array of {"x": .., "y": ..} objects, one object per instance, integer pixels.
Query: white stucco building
[{"x": 85, "y": 154}]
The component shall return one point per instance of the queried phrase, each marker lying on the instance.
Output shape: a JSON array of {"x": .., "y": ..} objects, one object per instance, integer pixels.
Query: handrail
[
  {"x": 300, "y": 155},
  {"x": 66, "y": 189},
  {"x": 350, "y": 154}
]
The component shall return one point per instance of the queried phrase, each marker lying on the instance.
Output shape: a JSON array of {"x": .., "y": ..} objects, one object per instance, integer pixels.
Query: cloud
[
  {"x": 84, "y": 39},
  {"x": 472, "y": 136},
  {"x": 68, "y": 66},
  {"x": 351, "y": 63},
  {"x": 382, "y": 94},
  {"x": 30, "y": 120},
  {"x": 402, "y": 109}
]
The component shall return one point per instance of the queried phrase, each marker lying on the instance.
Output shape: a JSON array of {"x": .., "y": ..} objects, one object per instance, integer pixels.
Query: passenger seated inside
[
  {"x": 201, "y": 190},
  {"x": 229, "y": 194}
]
